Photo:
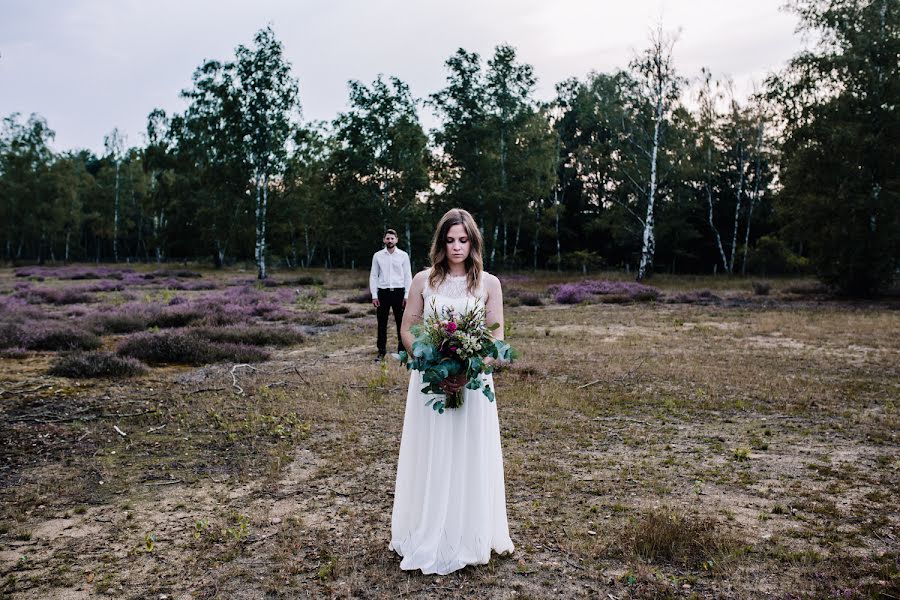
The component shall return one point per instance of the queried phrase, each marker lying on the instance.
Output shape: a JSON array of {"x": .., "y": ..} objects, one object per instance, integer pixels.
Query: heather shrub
[
  {"x": 615, "y": 299},
  {"x": 761, "y": 288},
  {"x": 166, "y": 347},
  {"x": 316, "y": 319},
  {"x": 305, "y": 280},
  {"x": 693, "y": 297},
  {"x": 174, "y": 284},
  {"x": 531, "y": 299},
  {"x": 361, "y": 298},
  {"x": 338, "y": 310},
  {"x": 513, "y": 278},
  {"x": 180, "y": 315},
  {"x": 120, "y": 321},
  {"x": 15, "y": 352},
  {"x": 807, "y": 289},
  {"x": 595, "y": 290},
  {"x": 10, "y": 335},
  {"x": 183, "y": 273},
  {"x": 71, "y": 272},
  {"x": 56, "y": 295},
  {"x": 16, "y": 307},
  {"x": 79, "y": 365},
  {"x": 239, "y": 353},
  {"x": 185, "y": 348},
  {"x": 53, "y": 335},
  {"x": 251, "y": 334},
  {"x": 104, "y": 285}
]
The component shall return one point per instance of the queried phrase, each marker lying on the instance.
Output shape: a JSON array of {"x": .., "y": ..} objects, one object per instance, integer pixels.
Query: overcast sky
[{"x": 90, "y": 65}]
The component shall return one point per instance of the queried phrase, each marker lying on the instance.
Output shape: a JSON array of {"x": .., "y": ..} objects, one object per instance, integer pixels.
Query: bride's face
[{"x": 458, "y": 245}]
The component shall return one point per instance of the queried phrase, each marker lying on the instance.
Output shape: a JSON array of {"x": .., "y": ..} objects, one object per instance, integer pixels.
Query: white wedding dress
[{"x": 449, "y": 499}]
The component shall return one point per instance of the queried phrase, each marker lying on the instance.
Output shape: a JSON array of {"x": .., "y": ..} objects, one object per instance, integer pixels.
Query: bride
[{"x": 449, "y": 500}]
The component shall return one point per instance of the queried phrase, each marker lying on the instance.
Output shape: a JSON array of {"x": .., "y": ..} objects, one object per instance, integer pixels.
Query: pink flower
[{"x": 451, "y": 327}]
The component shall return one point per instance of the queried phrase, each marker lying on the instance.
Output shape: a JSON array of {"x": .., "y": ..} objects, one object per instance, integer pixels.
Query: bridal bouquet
[{"x": 449, "y": 343}]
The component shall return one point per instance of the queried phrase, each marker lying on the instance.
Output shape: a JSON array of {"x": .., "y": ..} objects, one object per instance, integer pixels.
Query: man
[{"x": 389, "y": 282}]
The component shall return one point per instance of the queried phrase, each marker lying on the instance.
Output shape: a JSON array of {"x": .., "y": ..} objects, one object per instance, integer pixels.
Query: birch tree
[
  {"x": 708, "y": 121},
  {"x": 269, "y": 102},
  {"x": 657, "y": 88},
  {"x": 114, "y": 144}
]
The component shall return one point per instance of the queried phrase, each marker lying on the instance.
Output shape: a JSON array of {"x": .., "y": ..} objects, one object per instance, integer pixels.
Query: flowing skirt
[{"x": 449, "y": 500}]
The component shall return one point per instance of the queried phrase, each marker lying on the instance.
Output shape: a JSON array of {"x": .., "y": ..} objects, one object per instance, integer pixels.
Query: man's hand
[
  {"x": 454, "y": 383},
  {"x": 376, "y": 302},
  {"x": 404, "y": 303}
]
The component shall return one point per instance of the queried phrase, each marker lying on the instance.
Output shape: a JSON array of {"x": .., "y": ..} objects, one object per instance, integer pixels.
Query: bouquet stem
[{"x": 454, "y": 400}]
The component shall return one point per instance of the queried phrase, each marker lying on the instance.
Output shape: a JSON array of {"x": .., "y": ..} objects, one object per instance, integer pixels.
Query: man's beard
[{"x": 390, "y": 244}]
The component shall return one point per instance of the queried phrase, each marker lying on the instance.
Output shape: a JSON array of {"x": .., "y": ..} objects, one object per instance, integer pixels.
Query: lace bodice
[{"x": 453, "y": 291}]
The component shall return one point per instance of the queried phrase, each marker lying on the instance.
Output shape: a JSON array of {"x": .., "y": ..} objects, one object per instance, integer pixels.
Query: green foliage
[{"x": 841, "y": 192}]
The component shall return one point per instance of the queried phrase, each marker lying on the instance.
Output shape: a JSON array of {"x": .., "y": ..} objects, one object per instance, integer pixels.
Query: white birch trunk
[
  {"x": 709, "y": 201},
  {"x": 495, "y": 237},
  {"x": 505, "y": 237},
  {"x": 116, "y": 218},
  {"x": 558, "y": 244},
  {"x": 737, "y": 207},
  {"x": 755, "y": 197},
  {"x": 262, "y": 197},
  {"x": 409, "y": 245},
  {"x": 306, "y": 239},
  {"x": 649, "y": 239},
  {"x": 516, "y": 241}
]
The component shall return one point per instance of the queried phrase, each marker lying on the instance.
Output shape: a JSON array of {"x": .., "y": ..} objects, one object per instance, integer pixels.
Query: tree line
[{"x": 643, "y": 168}]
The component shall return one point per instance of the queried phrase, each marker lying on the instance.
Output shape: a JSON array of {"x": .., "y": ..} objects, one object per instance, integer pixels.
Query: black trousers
[{"x": 389, "y": 299}]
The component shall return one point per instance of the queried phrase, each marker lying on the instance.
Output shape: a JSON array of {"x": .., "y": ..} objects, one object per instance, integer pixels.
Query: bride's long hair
[{"x": 440, "y": 266}]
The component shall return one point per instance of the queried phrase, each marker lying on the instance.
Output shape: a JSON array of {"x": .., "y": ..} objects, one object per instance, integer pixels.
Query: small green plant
[
  {"x": 741, "y": 453},
  {"x": 381, "y": 380},
  {"x": 327, "y": 569},
  {"x": 698, "y": 487},
  {"x": 149, "y": 542},
  {"x": 240, "y": 528},
  {"x": 200, "y": 525}
]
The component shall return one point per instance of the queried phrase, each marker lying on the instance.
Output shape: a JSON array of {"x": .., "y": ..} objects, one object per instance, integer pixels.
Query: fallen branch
[
  {"x": 629, "y": 419},
  {"x": 300, "y": 375},
  {"x": 152, "y": 429},
  {"x": 619, "y": 379},
  {"x": 119, "y": 431},
  {"x": 234, "y": 383},
  {"x": 201, "y": 390},
  {"x": 167, "y": 482}
]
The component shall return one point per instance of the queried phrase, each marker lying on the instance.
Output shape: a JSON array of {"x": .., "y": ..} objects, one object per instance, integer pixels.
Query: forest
[{"x": 646, "y": 169}]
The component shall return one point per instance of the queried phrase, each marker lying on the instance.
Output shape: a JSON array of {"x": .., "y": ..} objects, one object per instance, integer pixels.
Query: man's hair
[{"x": 390, "y": 232}]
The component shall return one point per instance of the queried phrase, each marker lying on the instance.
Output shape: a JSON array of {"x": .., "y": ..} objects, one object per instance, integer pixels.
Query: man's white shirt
[{"x": 390, "y": 270}]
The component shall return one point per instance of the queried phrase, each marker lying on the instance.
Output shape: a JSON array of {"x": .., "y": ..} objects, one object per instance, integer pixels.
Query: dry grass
[{"x": 736, "y": 450}]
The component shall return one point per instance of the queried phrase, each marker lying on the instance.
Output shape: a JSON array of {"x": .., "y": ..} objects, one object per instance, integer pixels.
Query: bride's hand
[{"x": 454, "y": 383}]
